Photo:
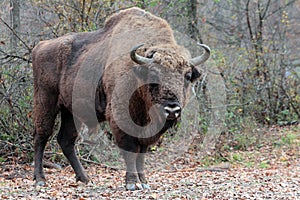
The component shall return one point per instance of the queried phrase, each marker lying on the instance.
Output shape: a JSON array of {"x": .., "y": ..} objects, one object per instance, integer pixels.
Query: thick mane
[
  {"x": 134, "y": 26},
  {"x": 155, "y": 29},
  {"x": 170, "y": 57}
]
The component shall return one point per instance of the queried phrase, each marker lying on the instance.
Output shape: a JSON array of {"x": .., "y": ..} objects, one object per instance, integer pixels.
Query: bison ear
[{"x": 195, "y": 74}]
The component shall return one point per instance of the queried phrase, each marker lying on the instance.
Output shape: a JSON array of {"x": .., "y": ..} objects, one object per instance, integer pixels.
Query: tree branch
[
  {"x": 14, "y": 32},
  {"x": 280, "y": 8},
  {"x": 14, "y": 56},
  {"x": 248, "y": 20},
  {"x": 266, "y": 9}
]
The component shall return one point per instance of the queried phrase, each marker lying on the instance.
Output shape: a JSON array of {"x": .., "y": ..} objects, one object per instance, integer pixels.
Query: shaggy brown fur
[{"x": 104, "y": 57}]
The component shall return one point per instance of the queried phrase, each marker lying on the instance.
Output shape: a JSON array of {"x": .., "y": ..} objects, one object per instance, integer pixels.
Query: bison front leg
[
  {"x": 66, "y": 138},
  {"x": 132, "y": 178},
  {"x": 135, "y": 174},
  {"x": 140, "y": 163}
]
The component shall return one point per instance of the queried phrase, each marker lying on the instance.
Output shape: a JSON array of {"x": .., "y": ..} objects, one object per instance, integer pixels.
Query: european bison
[{"x": 131, "y": 73}]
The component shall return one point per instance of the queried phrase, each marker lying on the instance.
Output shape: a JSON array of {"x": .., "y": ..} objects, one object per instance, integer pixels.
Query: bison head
[
  {"x": 169, "y": 76},
  {"x": 150, "y": 97}
]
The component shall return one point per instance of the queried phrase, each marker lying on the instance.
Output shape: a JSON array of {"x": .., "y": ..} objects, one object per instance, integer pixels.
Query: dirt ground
[
  {"x": 270, "y": 171},
  {"x": 276, "y": 182}
]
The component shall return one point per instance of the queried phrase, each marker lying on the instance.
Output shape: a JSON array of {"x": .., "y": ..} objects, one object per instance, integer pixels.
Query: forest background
[{"x": 255, "y": 53}]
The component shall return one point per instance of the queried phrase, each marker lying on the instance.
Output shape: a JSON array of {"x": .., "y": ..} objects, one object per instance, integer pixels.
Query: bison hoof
[
  {"x": 82, "y": 179},
  {"x": 40, "y": 183},
  {"x": 134, "y": 186},
  {"x": 145, "y": 186}
]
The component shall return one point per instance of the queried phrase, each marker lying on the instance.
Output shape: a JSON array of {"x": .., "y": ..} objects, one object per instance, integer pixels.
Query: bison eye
[{"x": 188, "y": 76}]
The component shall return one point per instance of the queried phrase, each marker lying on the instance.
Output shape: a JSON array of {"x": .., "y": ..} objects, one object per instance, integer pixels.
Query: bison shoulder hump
[{"x": 135, "y": 15}]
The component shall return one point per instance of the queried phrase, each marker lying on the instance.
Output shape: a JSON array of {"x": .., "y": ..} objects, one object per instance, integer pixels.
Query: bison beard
[{"x": 79, "y": 76}]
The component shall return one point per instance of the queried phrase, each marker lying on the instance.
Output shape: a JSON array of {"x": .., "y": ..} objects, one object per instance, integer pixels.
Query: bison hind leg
[
  {"x": 45, "y": 112},
  {"x": 66, "y": 138},
  {"x": 40, "y": 141}
]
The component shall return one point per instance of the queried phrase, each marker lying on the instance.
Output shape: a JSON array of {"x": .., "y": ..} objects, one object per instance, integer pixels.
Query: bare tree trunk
[
  {"x": 82, "y": 15},
  {"x": 15, "y": 22},
  {"x": 193, "y": 20},
  {"x": 239, "y": 10}
]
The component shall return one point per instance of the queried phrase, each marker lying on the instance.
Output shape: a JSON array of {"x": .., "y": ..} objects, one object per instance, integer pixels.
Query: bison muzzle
[{"x": 131, "y": 73}]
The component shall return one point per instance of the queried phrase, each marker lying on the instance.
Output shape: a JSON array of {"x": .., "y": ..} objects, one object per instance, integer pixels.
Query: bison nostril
[{"x": 172, "y": 110}]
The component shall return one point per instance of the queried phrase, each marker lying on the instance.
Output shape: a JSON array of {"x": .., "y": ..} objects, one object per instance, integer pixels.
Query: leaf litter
[{"x": 186, "y": 178}]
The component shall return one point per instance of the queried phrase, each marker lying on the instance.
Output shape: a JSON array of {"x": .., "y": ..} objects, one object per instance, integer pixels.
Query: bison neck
[
  {"x": 138, "y": 109},
  {"x": 139, "y": 112},
  {"x": 153, "y": 139}
]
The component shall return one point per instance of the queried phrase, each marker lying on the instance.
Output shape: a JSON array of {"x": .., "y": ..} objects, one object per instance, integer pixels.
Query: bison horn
[
  {"x": 201, "y": 59},
  {"x": 137, "y": 58}
]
